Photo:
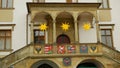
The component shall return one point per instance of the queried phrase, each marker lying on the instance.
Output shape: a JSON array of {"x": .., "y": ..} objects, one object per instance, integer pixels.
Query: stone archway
[
  {"x": 62, "y": 18},
  {"x": 90, "y": 63},
  {"x": 40, "y": 36},
  {"x": 87, "y": 65},
  {"x": 44, "y": 64}
]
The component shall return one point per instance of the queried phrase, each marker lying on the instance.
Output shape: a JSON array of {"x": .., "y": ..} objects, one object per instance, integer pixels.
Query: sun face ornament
[
  {"x": 43, "y": 27},
  {"x": 65, "y": 26},
  {"x": 86, "y": 26}
]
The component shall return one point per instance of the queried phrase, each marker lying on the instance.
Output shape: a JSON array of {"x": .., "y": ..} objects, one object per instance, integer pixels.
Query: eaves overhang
[{"x": 32, "y": 5}]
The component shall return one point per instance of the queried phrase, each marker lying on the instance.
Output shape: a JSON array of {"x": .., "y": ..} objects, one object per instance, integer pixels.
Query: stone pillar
[
  {"x": 32, "y": 33},
  {"x": 76, "y": 27},
  {"x": 54, "y": 31},
  {"x": 76, "y": 32},
  {"x": 46, "y": 36}
]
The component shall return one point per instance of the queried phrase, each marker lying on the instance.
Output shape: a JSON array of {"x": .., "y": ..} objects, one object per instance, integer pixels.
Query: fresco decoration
[
  {"x": 61, "y": 49},
  {"x": 48, "y": 49},
  {"x": 83, "y": 49},
  {"x": 71, "y": 49},
  {"x": 67, "y": 61},
  {"x": 93, "y": 49},
  {"x": 37, "y": 49}
]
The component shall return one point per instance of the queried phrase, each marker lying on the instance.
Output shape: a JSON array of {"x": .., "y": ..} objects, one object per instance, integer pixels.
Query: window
[
  {"x": 6, "y": 3},
  {"x": 5, "y": 39},
  {"x": 106, "y": 37},
  {"x": 39, "y": 37},
  {"x": 105, "y": 3}
]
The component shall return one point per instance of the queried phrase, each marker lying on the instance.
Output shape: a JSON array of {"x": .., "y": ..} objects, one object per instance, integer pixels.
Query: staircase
[{"x": 33, "y": 50}]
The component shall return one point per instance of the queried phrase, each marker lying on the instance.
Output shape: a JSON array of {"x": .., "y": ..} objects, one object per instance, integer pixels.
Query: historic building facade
[{"x": 64, "y": 34}]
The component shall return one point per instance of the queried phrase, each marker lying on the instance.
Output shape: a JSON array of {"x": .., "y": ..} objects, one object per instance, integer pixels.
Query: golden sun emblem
[
  {"x": 65, "y": 26},
  {"x": 86, "y": 26},
  {"x": 43, "y": 27}
]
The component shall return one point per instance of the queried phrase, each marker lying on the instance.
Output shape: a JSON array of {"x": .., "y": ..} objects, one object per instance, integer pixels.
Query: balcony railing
[{"x": 50, "y": 50}]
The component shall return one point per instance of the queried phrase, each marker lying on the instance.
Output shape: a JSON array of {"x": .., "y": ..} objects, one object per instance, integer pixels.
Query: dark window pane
[{"x": 39, "y": 37}]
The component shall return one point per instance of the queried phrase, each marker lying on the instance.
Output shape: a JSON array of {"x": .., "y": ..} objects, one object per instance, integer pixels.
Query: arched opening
[
  {"x": 90, "y": 63},
  {"x": 63, "y": 39},
  {"x": 62, "y": 18},
  {"x": 87, "y": 18},
  {"x": 87, "y": 65},
  {"x": 40, "y": 36},
  {"x": 44, "y": 64}
]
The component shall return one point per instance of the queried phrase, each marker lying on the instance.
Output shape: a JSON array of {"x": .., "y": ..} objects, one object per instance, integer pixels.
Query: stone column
[
  {"x": 54, "y": 14},
  {"x": 76, "y": 27},
  {"x": 54, "y": 31},
  {"x": 46, "y": 37},
  {"x": 76, "y": 31}
]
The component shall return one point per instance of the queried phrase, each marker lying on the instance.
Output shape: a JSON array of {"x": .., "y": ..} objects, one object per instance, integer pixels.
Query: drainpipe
[{"x": 27, "y": 29}]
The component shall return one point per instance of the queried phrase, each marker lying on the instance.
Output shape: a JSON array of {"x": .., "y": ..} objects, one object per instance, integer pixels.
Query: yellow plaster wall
[
  {"x": 104, "y": 15},
  {"x": 6, "y": 15},
  {"x": 75, "y": 61}
]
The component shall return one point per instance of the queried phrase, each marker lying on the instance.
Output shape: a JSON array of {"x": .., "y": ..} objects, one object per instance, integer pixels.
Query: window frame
[
  {"x": 5, "y": 37},
  {"x": 39, "y": 37},
  {"x": 111, "y": 36},
  {"x": 7, "y": 4}
]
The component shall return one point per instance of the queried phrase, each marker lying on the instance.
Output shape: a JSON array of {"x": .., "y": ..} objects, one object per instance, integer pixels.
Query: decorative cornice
[
  {"x": 12, "y": 25},
  {"x": 106, "y": 24},
  {"x": 47, "y": 5}
]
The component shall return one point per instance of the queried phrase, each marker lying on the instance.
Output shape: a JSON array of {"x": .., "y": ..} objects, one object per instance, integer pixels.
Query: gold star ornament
[
  {"x": 86, "y": 26},
  {"x": 65, "y": 26},
  {"x": 43, "y": 27}
]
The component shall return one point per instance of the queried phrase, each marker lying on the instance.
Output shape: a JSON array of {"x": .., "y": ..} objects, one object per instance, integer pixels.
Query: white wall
[
  {"x": 19, "y": 33},
  {"x": 87, "y": 36},
  {"x": 115, "y": 5}
]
